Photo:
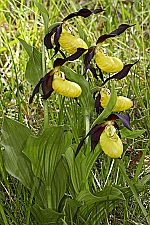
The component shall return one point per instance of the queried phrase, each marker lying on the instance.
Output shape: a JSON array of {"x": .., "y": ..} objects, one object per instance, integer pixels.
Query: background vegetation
[{"x": 22, "y": 19}]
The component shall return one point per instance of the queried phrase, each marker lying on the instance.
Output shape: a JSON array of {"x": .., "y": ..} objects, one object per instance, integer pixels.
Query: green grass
[{"x": 22, "y": 19}]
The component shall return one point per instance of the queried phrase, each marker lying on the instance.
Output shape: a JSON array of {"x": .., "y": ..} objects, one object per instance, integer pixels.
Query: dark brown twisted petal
[
  {"x": 120, "y": 75},
  {"x": 47, "y": 86},
  {"x": 83, "y": 13},
  {"x": 95, "y": 133},
  {"x": 76, "y": 55},
  {"x": 98, "y": 103},
  {"x": 46, "y": 83},
  {"x": 114, "y": 33},
  {"x": 47, "y": 38},
  {"x": 88, "y": 57},
  {"x": 59, "y": 62},
  {"x": 125, "y": 119}
]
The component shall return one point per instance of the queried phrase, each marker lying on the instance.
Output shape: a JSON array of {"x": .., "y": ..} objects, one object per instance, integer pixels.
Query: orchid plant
[{"x": 56, "y": 165}]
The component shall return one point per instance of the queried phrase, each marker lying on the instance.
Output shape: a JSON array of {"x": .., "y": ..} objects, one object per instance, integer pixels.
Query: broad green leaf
[
  {"x": 107, "y": 111},
  {"x": 34, "y": 70},
  {"x": 126, "y": 133},
  {"x": 80, "y": 167},
  {"x": 46, "y": 216},
  {"x": 34, "y": 66},
  {"x": 14, "y": 137},
  {"x": 45, "y": 153},
  {"x": 75, "y": 169},
  {"x": 86, "y": 97},
  {"x": 107, "y": 194},
  {"x": 45, "y": 15},
  {"x": 94, "y": 205},
  {"x": 59, "y": 184}
]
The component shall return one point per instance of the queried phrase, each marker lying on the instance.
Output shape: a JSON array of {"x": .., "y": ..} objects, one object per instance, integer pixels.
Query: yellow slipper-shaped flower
[
  {"x": 110, "y": 142},
  {"x": 107, "y": 63},
  {"x": 70, "y": 43},
  {"x": 65, "y": 87},
  {"x": 122, "y": 102}
]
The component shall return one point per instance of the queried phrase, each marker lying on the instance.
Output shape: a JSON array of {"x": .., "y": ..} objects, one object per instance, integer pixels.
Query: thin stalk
[
  {"x": 3, "y": 214},
  {"x": 46, "y": 115},
  {"x": 122, "y": 168},
  {"x": 30, "y": 204}
]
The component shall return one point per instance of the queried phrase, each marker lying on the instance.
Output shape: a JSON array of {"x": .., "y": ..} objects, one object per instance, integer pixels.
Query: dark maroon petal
[
  {"x": 57, "y": 36},
  {"x": 35, "y": 91},
  {"x": 95, "y": 133},
  {"x": 88, "y": 57},
  {"x": 98, "y": 104},
  {"x": 76, "y": 55},
  {"x": 47, "y": 38},
  {"x": 37, "y": 87},
  {"x": 125, "y": 119},
  {"x": 47, "y": 86},
  {"x": 59, "y": 62},
  {"x": 83, "y": 13},
  {"x": 120, "y": 75},
  {"x": 112, "y": 117},
  {"x": 114, "y": 33}
]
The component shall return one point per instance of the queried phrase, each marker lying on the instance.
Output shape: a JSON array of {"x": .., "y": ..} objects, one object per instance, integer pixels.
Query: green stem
[
  {"x": 3, "y": 214},
  {"x": 46, "y": 116},
  {"x": 49, "y": 198},
  {"x": 122, "y": 168}
]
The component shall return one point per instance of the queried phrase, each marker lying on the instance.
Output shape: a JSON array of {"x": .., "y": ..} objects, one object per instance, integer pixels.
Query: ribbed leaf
[
  {"x": 45, "y": 152},
  {"x": 14, "y": 137},
  {"x": 46, "y": 216},
  {"x": 126, "y": 133}
]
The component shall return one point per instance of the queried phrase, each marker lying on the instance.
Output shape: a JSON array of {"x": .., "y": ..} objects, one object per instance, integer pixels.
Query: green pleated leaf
[
  {"x": 107, "y": 111},
  {"x": 80, "y": 167},
  {"x": 14, "y": 137},
  {"x": 108, "y": 194},
  {"x": 126, "y": 133},
  {"x": 46, "y": 216},
  {"x": 94, "y": 206},
  {"x": 59, "y": 183},
  {"x": 45, "y": 152},
  {"x": 34, "y": 66},
  {"x": 86, "y": 97}
]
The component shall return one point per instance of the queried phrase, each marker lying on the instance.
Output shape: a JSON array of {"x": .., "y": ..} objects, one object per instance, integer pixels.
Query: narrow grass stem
[
  {"x": 46, "y": 116},
  {"x": 3, "y": 214},
  {"x": 122, "y": 168}
]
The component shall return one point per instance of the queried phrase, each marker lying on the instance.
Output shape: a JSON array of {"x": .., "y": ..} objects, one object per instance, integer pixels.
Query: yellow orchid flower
[
  {"x": 107, "y": 63},
  {"x": 65, "y": 87},
  {"x": 70, "y": 43},
  {"x": 110, "y": 142},
  {"x": 122, "y": 102}
]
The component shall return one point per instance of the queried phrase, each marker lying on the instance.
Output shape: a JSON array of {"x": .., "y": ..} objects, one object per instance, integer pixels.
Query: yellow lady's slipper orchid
[
  {"x": 65, "y": 87},
  {"x": 110, "y": 142},
  {"x": 107, "y": 63},
  {"x": 70, "y": 43},
  {"x": 122, "y": 103}
]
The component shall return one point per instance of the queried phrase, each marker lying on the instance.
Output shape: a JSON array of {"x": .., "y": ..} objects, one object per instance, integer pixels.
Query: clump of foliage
[{"x": 63, "y": 165}]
